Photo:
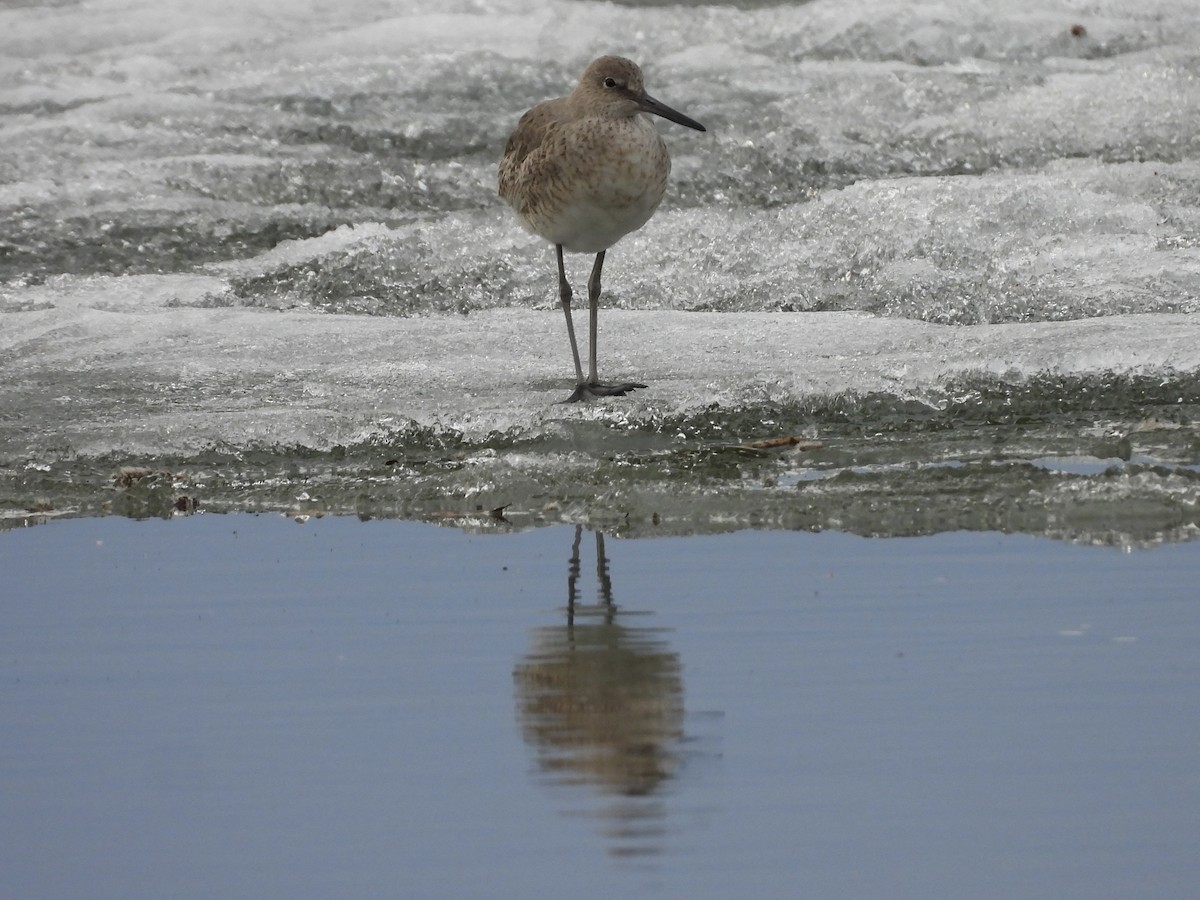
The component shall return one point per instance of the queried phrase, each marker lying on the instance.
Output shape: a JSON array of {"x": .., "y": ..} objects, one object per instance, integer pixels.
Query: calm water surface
[{"x": 241, "y": 706}]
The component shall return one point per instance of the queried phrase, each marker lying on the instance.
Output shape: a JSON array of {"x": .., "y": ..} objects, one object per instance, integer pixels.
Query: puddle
[{"x": 243, "y": 705}]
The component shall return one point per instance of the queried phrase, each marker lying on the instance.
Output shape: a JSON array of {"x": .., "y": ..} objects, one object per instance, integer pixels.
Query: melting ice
[{"x": 249, "y": 247}]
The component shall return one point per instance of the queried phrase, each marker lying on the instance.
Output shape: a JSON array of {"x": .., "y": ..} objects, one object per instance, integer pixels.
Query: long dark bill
[{"x": 650, "y": 105}]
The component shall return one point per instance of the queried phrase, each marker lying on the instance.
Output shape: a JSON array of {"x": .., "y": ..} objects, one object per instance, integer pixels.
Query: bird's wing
[{"x": 536, "y": 131}]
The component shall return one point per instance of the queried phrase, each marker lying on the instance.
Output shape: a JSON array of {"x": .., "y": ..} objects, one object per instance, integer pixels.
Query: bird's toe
[{"x": 598, "y": 389}]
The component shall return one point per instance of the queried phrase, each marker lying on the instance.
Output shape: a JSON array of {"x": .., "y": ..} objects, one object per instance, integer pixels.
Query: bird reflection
[{"x": 602, "y": 704}]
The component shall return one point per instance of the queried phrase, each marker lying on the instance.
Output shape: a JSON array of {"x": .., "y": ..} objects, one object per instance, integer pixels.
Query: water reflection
[{"x": 601, "y": 703}]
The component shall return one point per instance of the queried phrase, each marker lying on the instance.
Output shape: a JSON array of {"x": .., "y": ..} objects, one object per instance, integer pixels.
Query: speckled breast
[{"x": 611, "y": 179}]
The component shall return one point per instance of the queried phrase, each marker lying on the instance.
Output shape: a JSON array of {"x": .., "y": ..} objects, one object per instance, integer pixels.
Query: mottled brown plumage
[{"x": 583, "y": 171}]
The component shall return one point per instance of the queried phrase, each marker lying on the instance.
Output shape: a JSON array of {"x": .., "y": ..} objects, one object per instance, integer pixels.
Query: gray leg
[
  {"x": 593, "y": 386},
  {"x": 594, "y": 315},
  {"x": 564, "y": 294}
]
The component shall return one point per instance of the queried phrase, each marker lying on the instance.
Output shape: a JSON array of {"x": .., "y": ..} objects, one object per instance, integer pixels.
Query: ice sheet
[
  {"x": 186, "y": 378},
  {"x": 272, "y": 229}
]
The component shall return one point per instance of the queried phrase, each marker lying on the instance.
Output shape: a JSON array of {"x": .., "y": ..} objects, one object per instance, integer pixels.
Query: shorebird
[{"x": 583, "y": 171}]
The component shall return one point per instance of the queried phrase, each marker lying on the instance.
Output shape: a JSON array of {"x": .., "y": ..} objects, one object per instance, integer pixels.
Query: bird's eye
[{"x": 610, "y": 82}]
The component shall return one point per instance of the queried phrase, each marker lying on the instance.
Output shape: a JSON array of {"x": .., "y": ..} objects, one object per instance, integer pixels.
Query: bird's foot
[{"x": 596, "y": 389}]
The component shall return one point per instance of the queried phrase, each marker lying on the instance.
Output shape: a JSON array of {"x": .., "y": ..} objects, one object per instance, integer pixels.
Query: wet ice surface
[
  {"x": 237, "y": 706},
  {"x": 254, "y": 253}
]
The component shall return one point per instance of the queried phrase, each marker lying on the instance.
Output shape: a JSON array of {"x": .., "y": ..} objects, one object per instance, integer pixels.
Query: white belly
[{"x": 587, "y": 227}]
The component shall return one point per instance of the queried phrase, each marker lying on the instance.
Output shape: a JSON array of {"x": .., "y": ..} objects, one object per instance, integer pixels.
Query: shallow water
[{"x": 242, "y": 706}]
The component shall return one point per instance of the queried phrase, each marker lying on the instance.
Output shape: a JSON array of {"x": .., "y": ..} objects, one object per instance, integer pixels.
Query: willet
[{"x": 583, "y": 171}]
